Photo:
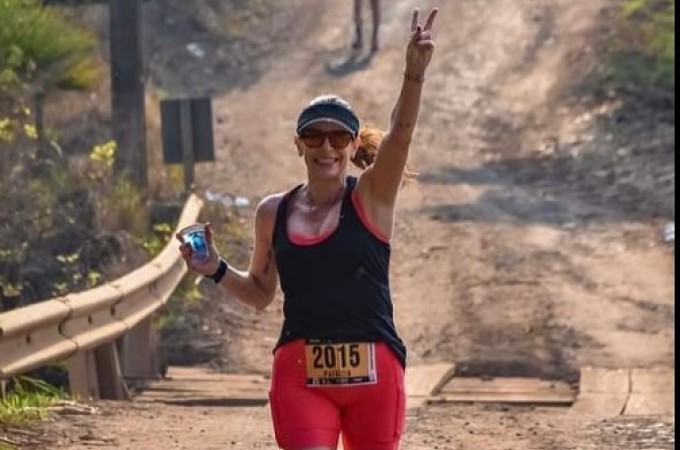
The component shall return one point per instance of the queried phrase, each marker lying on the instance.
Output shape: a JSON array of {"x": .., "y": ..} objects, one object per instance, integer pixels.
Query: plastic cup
[{"x": 195, "y": 237}]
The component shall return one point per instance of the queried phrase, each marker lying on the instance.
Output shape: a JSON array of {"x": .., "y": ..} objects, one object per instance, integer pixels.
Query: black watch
[{"x": 220, "y": 272}]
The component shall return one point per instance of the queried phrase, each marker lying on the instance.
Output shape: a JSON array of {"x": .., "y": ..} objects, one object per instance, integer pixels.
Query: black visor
[{"x": 330, "y": 111}]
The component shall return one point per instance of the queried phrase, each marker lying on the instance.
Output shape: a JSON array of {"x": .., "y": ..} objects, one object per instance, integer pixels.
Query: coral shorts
[{"x": 370, "y": 416}]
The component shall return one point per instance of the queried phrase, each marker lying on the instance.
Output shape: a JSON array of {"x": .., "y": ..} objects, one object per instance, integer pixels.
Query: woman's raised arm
[{"x": 384, "y": 177}]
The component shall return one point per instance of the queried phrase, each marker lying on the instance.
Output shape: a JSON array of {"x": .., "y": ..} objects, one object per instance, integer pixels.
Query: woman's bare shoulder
[{"x": 268, "y": 206}]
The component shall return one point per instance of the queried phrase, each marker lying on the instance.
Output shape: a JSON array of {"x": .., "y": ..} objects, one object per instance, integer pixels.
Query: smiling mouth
[{"x": 326, "y": 161}]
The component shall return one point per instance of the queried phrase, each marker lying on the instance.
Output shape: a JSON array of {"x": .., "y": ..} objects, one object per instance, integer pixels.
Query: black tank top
[{"x": 336, "y": 290}]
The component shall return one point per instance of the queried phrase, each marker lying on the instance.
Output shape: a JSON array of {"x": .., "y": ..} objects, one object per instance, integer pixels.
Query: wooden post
[
  {"x": 127, "y": 91},
  {"x": 186, "y": 134},
  {"x": 111, "y": 383},
  {"x": 82, "y": 375},
  {"x": 140, "y": 353}
]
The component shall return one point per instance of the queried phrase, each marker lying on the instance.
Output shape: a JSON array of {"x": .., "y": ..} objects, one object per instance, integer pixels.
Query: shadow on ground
[
  {"x": 351, "y": 63},
  {"x": 564, "y": 189},
  {"x": 209, "y": 48}
]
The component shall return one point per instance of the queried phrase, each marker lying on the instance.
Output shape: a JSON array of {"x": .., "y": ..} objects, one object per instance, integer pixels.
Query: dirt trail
[
  {"x": 502, "y": 276},
  {"x": 515, "y": 278}
]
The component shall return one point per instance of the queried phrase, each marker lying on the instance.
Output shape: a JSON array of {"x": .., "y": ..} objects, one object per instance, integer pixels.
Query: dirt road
[
  {"x": 504, "y": 261},
  {"x": 495, "y": 263}
]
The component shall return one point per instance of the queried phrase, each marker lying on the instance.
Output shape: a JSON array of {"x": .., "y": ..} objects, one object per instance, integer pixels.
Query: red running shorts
[{"x": 370, "y": 416}]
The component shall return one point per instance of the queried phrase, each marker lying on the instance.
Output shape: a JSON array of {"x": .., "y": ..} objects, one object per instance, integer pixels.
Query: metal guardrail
[{"x": 85, "y": 326}]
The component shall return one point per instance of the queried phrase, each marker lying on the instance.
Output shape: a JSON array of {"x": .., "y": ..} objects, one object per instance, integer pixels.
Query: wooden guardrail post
[
  {"x": 96, "y": 374},
  {"x": 111, "y": 383},
  {"x": 82, "y": 375},
  {"x": 140, "y": 359}
]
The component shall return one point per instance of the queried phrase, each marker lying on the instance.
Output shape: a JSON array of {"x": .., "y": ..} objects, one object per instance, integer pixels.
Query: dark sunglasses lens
[
  {"x": 313, "y": 140},
  {"x": 340, "y": 139},
  {"x": 337, "y": 139}
]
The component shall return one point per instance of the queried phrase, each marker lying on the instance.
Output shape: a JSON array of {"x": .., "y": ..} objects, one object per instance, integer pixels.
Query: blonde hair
[{"x": 369, "y": 143}]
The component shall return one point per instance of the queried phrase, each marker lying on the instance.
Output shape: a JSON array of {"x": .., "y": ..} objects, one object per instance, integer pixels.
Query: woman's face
[{"x": 326, "y": 148}]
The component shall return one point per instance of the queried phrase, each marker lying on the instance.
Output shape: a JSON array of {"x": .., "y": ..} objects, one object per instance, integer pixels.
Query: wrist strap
[
  {"x": 221, "y": 271},
  {"x": 415, "y": 78}
]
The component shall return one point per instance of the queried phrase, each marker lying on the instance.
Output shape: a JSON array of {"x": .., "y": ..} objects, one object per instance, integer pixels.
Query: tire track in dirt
[{"x": 494, "y": 274}]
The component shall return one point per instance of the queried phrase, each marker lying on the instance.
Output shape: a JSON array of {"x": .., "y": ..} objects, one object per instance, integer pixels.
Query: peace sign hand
[{"x": 421, "y": 45}]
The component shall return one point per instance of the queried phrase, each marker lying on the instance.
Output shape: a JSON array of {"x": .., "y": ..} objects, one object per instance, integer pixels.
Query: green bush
[
  {"x": 644, "y": 51},
  {"x": 29, "y": 400},
  {"x": 66, "y": 240},
  {"x": 41, "y": 49}
]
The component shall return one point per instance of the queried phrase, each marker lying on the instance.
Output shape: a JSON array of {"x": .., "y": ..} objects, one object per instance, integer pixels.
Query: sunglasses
[{"x": 315, "y": 139}]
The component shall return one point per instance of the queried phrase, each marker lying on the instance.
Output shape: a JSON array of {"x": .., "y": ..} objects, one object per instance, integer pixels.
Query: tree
[{"x": 41, "y": 51}]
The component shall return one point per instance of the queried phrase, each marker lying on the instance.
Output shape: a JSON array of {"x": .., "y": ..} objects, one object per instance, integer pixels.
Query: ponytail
[{"x": 370, "y": 139}]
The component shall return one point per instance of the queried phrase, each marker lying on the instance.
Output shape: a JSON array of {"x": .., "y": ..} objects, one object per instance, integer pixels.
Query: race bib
[{"x": 340, "y": 364}]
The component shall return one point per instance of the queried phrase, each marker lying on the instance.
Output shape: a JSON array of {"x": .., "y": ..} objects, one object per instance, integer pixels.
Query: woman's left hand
[{"x": 421, "y": 45}]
